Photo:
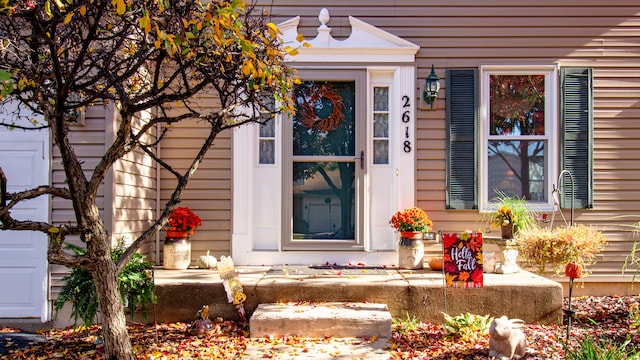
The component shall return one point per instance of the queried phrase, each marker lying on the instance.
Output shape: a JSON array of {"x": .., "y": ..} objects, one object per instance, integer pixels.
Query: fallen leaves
[
  {"x": 596, "y": 316},
  {"x": 607, "y": 316}
]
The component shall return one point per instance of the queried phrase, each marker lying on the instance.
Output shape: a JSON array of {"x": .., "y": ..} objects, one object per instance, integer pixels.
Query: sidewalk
[{"x": 320, "y": 349}]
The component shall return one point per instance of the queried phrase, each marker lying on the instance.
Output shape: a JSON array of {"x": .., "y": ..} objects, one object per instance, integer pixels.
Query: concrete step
[{"x": 317, "y": 320}]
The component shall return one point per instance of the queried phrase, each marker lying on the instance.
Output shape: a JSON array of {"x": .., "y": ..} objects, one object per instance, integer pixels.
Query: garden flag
[{"x": 463, "y": 259}]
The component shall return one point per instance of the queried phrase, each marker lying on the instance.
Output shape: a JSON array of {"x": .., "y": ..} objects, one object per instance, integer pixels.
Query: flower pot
[
  {"x": 411, "y": 234},
  {"x": 411, "y": 251},
  {"x": 178, "y": 234},
  {"x": 507, "y": 231},
  {"x": 176, "y": 253}
]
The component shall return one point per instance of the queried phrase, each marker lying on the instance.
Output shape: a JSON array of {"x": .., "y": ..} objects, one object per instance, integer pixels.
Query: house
[{"x": 282, "y": 194}]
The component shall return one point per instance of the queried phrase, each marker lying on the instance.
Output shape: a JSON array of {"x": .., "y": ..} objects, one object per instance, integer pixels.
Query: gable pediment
[{"x": 366, "y": 43}]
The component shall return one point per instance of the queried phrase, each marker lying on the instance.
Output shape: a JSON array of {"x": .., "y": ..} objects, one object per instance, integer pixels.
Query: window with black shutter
[{"x": 469, "y": 134}]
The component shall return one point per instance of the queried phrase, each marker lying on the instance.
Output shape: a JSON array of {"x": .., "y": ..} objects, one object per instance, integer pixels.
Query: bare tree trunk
[{"x": 117, "y": 345}]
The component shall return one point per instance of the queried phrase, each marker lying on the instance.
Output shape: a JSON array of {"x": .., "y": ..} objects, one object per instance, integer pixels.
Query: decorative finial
[{"x": 324, "y": 17}]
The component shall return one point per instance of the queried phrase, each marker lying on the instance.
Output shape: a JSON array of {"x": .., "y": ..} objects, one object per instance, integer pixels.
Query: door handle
[{"x": 361, "y": 158}]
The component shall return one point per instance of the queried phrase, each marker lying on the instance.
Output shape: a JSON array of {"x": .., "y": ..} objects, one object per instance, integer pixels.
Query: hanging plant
[{"x": 557, "y": 247}]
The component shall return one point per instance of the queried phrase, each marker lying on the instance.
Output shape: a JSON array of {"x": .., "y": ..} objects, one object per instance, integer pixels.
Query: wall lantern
[{"x": 432, "y": 87}]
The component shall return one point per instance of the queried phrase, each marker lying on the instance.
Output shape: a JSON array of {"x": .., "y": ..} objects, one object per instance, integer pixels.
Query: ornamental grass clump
[
  {"x": 511, "y": 210},
  {"x": 542, "y": 247}
]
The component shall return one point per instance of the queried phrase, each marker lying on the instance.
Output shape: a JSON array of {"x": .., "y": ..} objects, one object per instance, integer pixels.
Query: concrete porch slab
[{"x": 419, "y": 293}]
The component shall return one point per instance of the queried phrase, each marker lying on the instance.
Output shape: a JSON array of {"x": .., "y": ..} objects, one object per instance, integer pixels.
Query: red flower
[{"x": 183, "y": 219}]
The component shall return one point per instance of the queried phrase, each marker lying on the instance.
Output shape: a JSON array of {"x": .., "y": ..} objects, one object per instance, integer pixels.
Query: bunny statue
[{"x": 507, "y": 341}]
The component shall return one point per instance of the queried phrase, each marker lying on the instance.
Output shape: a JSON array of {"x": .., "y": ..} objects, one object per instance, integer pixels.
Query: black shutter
[
  {"x": 576, "y": 131},
  {"x": 461, "y": 149}
]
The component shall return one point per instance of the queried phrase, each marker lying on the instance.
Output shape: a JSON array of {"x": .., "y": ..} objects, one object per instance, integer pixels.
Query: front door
[{"x": 324, "y": 178}]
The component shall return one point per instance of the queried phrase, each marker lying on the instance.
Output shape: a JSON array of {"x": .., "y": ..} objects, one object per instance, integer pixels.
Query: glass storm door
[{"x": 327, "y": 162}]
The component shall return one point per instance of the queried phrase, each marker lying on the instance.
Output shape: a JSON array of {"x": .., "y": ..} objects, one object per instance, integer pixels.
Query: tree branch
[
  {"x": 174, "y": 199},
  {"x": 57, "y": 255},
  {"x": 23, "y": 127}
]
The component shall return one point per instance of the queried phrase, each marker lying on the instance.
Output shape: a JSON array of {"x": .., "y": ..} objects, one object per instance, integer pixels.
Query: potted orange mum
[
  {"x": 182, "y": 222},
  {"x": 177, "y": 247},
  {"x": 412, "y": 223}
]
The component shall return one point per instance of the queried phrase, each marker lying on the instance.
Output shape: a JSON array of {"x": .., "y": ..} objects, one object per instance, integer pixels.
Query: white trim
[
  {"x": 405, "y": 161},
  {"x": 552, "y": 121},
  {"x": 365, "y": 46}
]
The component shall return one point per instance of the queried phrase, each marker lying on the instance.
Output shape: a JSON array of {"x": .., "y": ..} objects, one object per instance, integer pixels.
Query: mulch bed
[{"x": 608, "y": 317}]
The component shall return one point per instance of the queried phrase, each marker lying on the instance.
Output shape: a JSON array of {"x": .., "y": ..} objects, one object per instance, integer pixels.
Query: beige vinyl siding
[
  {"x": 88, "y": 141},
  {"x": 208, "y": 193},
  {"x": 134, "y": 194},
  {"x": 466, "y": 34}
]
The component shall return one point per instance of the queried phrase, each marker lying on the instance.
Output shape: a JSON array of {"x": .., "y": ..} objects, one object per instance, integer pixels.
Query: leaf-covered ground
[{"x": 610, "y": 317}]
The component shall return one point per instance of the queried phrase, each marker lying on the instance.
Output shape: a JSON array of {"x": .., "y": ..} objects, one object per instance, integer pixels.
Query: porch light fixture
[{"x": 432, "y": 87}]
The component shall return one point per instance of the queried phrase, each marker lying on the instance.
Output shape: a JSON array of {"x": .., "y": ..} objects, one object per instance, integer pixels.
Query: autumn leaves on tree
[{"x": 60, "y": 57}]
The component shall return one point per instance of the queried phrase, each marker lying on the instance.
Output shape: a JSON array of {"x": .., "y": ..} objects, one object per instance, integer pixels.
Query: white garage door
[{"x": 24, "y": 157}]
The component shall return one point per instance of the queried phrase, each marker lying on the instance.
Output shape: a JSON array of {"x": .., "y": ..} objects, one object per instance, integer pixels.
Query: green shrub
[
  {"x": 466, "y": 327},
  {"x": 410, "y": 323},
  {"x": 135, "y": 283}
]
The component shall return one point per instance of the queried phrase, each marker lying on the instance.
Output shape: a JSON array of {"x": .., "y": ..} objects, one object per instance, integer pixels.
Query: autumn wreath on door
[{"x": 320, "y": 107}]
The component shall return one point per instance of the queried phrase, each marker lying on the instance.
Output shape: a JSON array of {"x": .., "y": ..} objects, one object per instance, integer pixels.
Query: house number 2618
[{"x": 406, "y": 118}]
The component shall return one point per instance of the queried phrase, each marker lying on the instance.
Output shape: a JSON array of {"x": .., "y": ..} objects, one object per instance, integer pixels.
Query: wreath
[{"x": 307, "y": 108}]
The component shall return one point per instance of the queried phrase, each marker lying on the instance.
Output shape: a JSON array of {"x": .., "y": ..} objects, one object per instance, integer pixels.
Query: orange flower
[{"x": 412, "y": 219}]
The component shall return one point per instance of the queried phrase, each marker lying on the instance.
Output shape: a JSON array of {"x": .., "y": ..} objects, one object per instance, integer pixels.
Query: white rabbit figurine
[{"x": 507, "y": 341}]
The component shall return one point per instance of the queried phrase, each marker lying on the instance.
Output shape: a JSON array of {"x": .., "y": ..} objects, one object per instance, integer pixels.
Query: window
[
  {"x": 267, "y": 141},
  {"x": 380, "y": 125},
  {"x": 518, "y": 143},
  {"x": 509, "y": 142},
  {"x": 267, "y": 135}
]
